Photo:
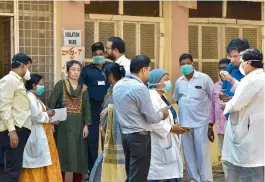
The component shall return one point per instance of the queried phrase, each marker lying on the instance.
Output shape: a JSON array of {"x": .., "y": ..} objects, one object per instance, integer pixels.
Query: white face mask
[
  {"x": 241, "y": 69},
  {"x": 27, "y": 75}
]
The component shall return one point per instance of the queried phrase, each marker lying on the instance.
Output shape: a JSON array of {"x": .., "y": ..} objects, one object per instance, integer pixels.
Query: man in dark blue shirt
[
  {"x": 93, "y": 77},
  {"x": 233, "y": 50}
]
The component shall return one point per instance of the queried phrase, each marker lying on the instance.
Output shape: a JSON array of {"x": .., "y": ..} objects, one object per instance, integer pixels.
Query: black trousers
[
  {"x": 14, "y": 156},
  {"x": 93, "y": 137},
  {"x": 137, "y": 150}
]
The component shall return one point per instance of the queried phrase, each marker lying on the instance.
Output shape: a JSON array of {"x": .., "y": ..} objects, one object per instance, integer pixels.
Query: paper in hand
[{"x": 60, "y": 115}]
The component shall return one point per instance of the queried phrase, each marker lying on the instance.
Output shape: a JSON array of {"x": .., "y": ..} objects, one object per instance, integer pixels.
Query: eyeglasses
[{"x": 234, "y": 56}]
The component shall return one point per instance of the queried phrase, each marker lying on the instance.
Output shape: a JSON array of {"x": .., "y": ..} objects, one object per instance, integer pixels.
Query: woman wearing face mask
[
  {"x": 70, "y": 135},
  {"x": 166, "y": 161},
  {"x": 40, "y": 157},
  {"x": 115, "y": 171}
]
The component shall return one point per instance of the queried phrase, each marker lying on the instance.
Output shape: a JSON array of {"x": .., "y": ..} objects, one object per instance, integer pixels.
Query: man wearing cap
[
  {"x": 15, "y": 123},
  {"x": 93, "y": 77}
]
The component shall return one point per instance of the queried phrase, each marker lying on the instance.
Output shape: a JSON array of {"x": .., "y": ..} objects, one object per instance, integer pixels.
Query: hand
[
  {"x": 55, "y": 122},
  {"x": 226, "y": 76},
  {"x": 223, "y": 105},
  {"x": 85, "y": 132},
  {"x": 227, "y": 98},
  {"x": 211, "y": 134},
  {"x": 13, "y": 139},
  {"x": 176, "y": 128},
  {"x": 50, "y": 113},
  {"x": 103, "y": 113},
  {"x": 165, "y": 114},
  {"x": 223, "y": 97}
]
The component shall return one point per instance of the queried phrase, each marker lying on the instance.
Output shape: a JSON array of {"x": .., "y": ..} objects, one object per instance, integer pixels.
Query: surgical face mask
[
  {"x": 27, "y": 75},
  {"x": 40, "y": 89},
  {"x": 241, "y": 69},
  {"x": 98, "y": 59},
  {"x": 187, "y": 69},
  {"x": 167, "y": 88}
]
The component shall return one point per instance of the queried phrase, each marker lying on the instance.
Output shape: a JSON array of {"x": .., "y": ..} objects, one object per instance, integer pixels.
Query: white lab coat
[
  {"x": 166, "y": 160},
  {"x": 244, "y": 146},
  {"x": 36, "y": 152}
]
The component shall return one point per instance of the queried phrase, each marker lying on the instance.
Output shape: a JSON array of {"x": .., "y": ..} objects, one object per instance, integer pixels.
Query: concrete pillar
[
  {"x": 69, "y": 16},
  {"x": 179, "y": 37}
]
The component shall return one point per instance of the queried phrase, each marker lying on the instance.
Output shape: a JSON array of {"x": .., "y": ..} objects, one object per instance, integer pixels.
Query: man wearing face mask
[
  {"x": 15, "y": 123},
  {"x": 135, "y": 113},
  {"x": 93, "y": 77},
  {"x": 193, "y": 93},
  {"x": 233, "y": 50},
  {"x": 243, "y": 150},
  {"x": 216, "y": 113},
  {"x": 115, "y": 49}
]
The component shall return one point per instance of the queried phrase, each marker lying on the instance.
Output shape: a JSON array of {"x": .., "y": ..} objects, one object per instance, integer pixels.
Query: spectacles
[{"x": 234, "y": 56}]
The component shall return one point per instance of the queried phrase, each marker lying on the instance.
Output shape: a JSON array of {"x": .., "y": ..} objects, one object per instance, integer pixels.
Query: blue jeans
[{"x": 168, "y": 180}]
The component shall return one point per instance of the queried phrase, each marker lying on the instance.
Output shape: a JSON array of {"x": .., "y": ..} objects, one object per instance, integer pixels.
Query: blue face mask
[
  {"x": 98, "y": 59},
  {"x": 40, "y": 89},
  {"x": 168, "y": 86},
  {"x": 187, "y": 69}
]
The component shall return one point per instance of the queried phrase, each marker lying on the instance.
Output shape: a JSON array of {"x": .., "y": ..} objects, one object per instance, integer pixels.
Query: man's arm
[
  {"x": 175, "y": 95},
  {"x": 145, "y": 105},
  {"x": 243, "y": 96},
  {"x": 7, "y": 92},
  {"x": 209, "y": 86}
]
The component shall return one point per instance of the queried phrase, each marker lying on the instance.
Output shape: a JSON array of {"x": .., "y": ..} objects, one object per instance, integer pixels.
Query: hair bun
[{"x": 122, "y": 70}]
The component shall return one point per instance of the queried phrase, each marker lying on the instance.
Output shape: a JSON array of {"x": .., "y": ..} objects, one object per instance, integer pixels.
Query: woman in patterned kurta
[{"x": 70, "y": 135}]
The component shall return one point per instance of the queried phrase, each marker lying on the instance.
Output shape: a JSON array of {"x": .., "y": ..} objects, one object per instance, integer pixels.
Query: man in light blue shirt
[
  {"x": 134, "y": 111},
  {"x": 193, "y": 91}
]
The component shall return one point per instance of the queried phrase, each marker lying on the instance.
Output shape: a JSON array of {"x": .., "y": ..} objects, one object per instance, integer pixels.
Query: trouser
[
  {"x": 14, "y": 156},
  {"x": 220, "y": 138},
  {"x": 93, "y": 136},
  {"x": 245, "y": 174},
  {"x": 76, "y": 177},
  {"x": 197, "y": 155},
  {"x": 137, "y": 151}
]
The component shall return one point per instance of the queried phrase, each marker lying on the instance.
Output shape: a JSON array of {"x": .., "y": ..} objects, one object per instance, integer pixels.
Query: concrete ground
[{"x": 217, "y": 173}]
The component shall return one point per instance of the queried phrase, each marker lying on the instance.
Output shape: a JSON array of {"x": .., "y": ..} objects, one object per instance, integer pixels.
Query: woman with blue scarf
[{"x": 166, "y": 161}]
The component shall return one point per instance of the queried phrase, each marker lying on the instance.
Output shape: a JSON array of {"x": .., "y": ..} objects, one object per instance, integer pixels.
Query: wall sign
[{"x": 72, "y": 38}]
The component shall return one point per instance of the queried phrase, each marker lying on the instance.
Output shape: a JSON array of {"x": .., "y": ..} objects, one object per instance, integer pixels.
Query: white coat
[
  {"x": 37, "y": 152},
  {"x": 166, "y": 160},
  {"x": 244, "y": 135}
]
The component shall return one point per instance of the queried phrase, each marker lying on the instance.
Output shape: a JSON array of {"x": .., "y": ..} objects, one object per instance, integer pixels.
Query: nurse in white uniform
[{"x": 166, "y": 161}]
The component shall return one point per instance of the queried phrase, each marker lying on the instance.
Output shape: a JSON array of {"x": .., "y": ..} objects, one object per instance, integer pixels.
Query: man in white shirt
[
  {"x": 193, "y": 91},
  {"x": 115, "y": 49},
  {"x": 243, "y": 148}
]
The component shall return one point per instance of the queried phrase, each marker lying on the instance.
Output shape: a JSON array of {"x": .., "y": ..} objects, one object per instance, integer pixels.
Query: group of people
[{"x": 120, "y": 111}]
